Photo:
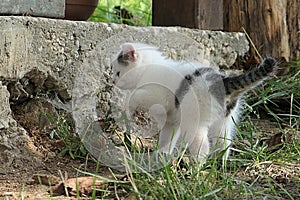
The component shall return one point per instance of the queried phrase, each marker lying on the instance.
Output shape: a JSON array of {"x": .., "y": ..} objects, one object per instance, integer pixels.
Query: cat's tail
[{"x": 236, "y": 85}]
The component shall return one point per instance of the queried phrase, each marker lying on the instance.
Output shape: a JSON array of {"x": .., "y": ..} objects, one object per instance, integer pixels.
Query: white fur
[{"x": 199, "y": 123}]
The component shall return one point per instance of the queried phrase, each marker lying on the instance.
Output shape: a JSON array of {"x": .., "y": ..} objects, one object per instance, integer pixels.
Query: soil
[{"x": 21, "y": 182}]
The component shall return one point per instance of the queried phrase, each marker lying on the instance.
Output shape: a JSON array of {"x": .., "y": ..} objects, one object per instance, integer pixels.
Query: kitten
[{"x": 198, "y": 106}]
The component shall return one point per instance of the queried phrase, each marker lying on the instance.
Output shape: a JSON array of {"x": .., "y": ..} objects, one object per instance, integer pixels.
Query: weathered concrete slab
[
  {"x": 56, "y": 47},
  {"x": 40, "y": 55},
  {"x": 42, "y": 8},
  {"x": 6, "y": 119}
]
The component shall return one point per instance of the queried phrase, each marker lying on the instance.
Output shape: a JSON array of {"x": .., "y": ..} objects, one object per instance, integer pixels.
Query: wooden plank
[
  {"x": 210, "y": 14},
  {"x": 293, "y": 23},
  {"x": 202, "y": 14},
  {"x": 174, "y": 13},
  {"x": 44, "y": 8},
  {"x": 273, "y": 25}
]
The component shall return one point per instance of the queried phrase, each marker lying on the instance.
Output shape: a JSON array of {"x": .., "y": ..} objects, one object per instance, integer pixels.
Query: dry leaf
[
  {"x": 45, "y": 179},
  {"x": 275, "y": 142},
  {"x": 82, "y": 185}
]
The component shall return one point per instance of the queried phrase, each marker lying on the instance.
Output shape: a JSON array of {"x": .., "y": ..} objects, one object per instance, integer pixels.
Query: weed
[{"x": 62, "y": 130}]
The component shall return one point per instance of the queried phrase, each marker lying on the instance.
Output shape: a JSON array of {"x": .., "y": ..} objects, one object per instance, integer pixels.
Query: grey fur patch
[
  {"x": 217, "y": 89},
  {"x": 123, "y": 59},
  {"x": 183, "y": 89},
  {"x": 242, "y": 83},
  {"x": 186, "y": 82}
]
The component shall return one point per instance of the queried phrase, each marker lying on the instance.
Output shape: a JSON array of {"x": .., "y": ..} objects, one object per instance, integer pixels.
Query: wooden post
[{"x": 202, "y": 14}]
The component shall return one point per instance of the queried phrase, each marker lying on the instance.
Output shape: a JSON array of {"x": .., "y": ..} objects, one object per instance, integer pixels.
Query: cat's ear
[{"x": 130, "y": 51}]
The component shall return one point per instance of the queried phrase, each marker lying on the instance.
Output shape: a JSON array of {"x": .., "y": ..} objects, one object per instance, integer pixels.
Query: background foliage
[{"x": 141, "y": 12}]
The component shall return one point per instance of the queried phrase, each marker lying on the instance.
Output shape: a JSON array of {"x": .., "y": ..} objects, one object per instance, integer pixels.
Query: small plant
[
  {"x": 62, "y": 130},
  {"x": 136, "y": 13}
]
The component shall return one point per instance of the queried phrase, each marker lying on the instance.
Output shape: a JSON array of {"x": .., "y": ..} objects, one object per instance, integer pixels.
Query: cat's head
[{"x": 130, "y": 63}]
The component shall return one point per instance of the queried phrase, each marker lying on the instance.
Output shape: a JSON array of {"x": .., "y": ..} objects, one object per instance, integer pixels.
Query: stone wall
[{"x": 39, "y": 55}]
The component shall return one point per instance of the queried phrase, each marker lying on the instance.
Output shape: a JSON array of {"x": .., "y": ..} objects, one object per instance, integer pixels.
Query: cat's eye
[{"x": 118, "y": 74}]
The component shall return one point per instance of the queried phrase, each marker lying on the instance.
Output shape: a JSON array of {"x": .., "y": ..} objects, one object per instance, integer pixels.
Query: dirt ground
[
  {"x": 22, "y": 182},
  {"x": 21, "y": 178},
  {"x": 22, "y": 185}
]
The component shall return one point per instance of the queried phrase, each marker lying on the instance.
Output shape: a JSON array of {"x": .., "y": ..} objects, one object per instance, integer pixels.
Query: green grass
[
  {"x": 62, "y": 130},
  {"x": 141, "y": 12},
  {"x": 279, "y": 98}
]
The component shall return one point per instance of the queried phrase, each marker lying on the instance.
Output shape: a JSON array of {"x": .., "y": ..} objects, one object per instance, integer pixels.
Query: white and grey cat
[{"x": 195, "y": 105}]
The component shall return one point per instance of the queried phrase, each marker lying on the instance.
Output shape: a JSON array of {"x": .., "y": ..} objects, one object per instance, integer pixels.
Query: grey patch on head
[
  {"x": 123, "y": 58},
  {"x": 183, "y": 89}
]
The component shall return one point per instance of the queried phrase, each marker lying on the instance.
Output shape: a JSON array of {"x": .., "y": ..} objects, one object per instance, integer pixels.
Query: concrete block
[{"x": 42, "y": 8}]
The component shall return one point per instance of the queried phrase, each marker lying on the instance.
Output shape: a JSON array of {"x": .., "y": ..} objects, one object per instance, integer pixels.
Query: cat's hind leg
[
  {"x": 199, "y": 144},
  {"x": 168, "y": 138}
]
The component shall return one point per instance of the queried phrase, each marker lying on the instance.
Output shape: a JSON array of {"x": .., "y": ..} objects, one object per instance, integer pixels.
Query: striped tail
[{"x": 236, "y": 85}]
